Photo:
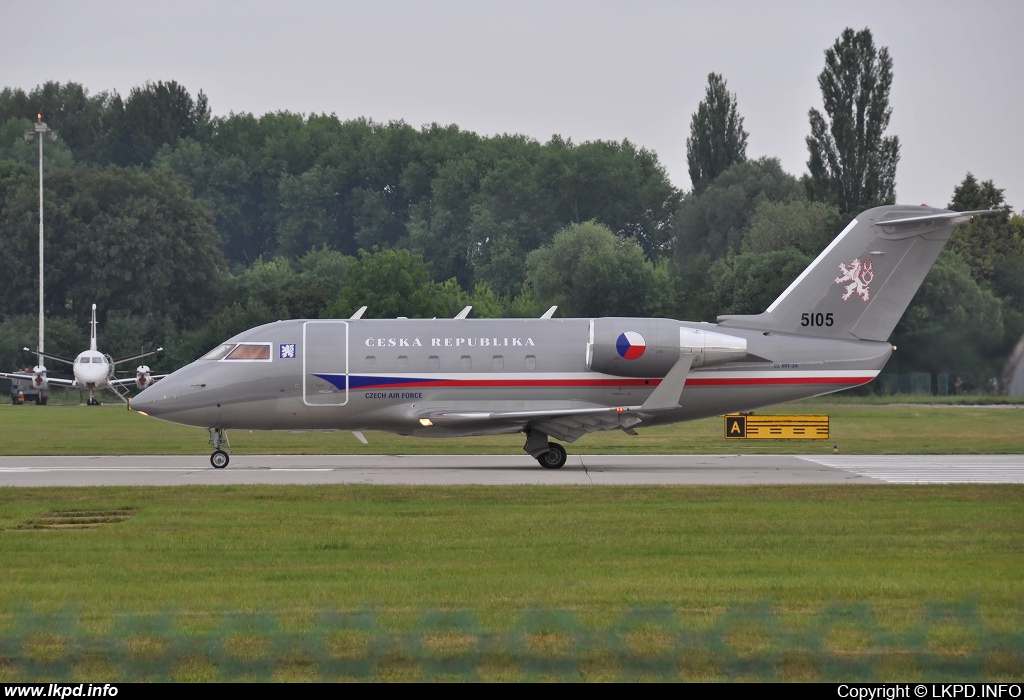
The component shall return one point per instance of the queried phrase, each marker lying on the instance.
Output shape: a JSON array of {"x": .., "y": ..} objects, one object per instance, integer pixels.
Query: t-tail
[
  {"x": 861, "y": 284},
  {"x": 92, "y": 329}
]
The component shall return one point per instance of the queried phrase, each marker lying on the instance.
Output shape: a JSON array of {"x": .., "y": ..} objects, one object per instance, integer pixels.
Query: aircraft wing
[
  {"x": 49, "y": 380},
  {"x": 15, "y": 375},
  {"x": 128, "y": 381},
  {"x": 573, "y": 422},
  {"x": 567, "y": 424}
]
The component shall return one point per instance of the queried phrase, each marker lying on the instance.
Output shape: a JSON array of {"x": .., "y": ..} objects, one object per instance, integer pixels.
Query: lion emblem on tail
[{"x": 859, "y": 274}]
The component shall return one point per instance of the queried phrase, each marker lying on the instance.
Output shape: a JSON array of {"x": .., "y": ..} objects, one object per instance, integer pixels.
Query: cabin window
[
  {"x": 531, "y": 362},
  {"x": 218, "y": 352},
  {"x": 403, "y": 362},
  {"x": 371, "y": 361},
  {"x": 466, "y": 362},
  {"x": 434, "y": 362},
  {"x": 250, "y": 351},
  {"x": 498, "y": 362}
]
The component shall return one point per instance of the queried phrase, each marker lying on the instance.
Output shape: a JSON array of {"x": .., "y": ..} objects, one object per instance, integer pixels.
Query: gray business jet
[{"x": 562, "y": 378}]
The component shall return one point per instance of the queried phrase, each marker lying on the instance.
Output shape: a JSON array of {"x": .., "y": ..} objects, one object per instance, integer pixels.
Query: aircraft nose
[
  {"x": 145, "y": 402},
  {"x": 171, "y": 394},
  {"x": 190, "y": 396}
]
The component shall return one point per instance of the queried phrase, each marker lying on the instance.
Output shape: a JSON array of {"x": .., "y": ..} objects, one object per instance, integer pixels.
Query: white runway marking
[
  {"x": 931, "y": 469},
  {"x": 164, "y": 470}
]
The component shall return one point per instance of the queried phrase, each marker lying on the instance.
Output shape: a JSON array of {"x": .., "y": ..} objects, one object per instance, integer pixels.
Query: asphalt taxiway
[{"x": 722, "y": 469}]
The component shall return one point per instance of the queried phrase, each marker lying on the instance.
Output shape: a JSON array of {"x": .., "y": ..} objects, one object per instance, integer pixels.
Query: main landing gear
[
  {"x": 218, "y": 437},
  {"x": 550, "y": 455}
]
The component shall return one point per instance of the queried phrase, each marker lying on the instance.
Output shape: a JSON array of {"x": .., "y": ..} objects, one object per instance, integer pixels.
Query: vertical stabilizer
[
  {"x": 861, "y": 284},
  {"x": 92, "y": 329}
]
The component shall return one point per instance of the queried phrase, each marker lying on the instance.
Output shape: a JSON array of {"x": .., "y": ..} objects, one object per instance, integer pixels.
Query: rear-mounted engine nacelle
[{"x": 649, "y": 347}]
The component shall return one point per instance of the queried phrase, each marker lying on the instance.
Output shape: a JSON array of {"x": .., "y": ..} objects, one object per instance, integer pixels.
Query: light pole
[{"x": 38, "y": 129}]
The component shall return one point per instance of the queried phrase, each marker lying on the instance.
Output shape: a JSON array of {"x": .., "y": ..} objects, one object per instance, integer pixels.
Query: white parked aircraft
[{"x": 93, "y": 370}]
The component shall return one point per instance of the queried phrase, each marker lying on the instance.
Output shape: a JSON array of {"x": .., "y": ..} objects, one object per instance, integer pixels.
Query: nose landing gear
[{"x": 218, "y": 436}]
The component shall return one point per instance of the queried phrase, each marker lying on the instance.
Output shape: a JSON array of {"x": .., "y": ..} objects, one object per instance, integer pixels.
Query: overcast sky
[{"x": 603, "y": 69}]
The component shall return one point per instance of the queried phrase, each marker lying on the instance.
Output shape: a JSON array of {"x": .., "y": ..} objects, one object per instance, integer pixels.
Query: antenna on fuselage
[
  {"x": 358, "y": 314},
  {"x": 464, "y": 313},
  {"x": 549, "y": 313}
]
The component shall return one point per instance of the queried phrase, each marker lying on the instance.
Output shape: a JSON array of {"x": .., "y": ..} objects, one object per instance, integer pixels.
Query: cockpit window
[
  {"x": 97, "y": 360},
  {"x": 218, "y": 352},
  {"x": 250, "y": 351}
]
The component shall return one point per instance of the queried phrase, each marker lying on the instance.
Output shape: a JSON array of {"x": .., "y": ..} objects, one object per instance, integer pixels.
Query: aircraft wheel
[
  {"x": 219, "y": 459},
  {"x": 554, "y": 458}
]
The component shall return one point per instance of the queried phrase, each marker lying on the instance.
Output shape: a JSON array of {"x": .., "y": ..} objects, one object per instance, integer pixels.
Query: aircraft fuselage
[
  {"x": 369, "y": 374},
  {"x": 92, "y": 369}
]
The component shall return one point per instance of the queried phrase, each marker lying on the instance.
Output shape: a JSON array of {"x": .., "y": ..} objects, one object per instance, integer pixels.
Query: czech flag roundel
[{"x": 631, "y": 345}]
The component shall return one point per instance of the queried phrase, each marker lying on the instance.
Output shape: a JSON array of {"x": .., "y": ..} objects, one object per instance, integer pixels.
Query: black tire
[
  {"x": 219, "y": 459},
  {"x": 554, "y": 458}
]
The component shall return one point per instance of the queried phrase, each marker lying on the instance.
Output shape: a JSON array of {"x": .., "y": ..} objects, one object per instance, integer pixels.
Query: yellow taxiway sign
[{"x": 750, "y": 427}]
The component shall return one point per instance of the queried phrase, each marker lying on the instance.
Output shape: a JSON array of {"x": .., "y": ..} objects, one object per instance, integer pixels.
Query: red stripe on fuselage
[{"x": 692, "y": 381}]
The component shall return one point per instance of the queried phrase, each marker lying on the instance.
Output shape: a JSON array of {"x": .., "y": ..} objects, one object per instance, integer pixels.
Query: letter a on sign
[{"x": 735, "y": 426}]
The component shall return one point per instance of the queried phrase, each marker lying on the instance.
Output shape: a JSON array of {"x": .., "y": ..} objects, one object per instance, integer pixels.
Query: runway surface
[{"x": 512, "y": 469}]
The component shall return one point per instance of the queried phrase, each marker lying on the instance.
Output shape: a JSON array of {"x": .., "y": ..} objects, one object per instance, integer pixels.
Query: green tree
[
  {"x": 987, "y": 241},
  {"x": 152, "y": 116},
  {"x": 588, "y": 271},
  {"x": 14, "y": 147},
  {"x": 805, "y": 226},
  {"x": 64, "y": 337},
  {"x": 953, "y": 325},
  {"x": 852, "y": 163},
  {"x": 309, "y": 211},
  {"x": 717, "y": 138},
  {"x": 390, "y": 283},
  {"x": 439, "y": 226},
  {"x": 68, "y": 109},
  {"x": 748, "y": 282},
  {"x": 123, "y": 239},
  {"x": 715, "y": 220}
]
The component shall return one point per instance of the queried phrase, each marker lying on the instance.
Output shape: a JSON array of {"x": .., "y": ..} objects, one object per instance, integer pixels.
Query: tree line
[{"x": 185, "y": 227}]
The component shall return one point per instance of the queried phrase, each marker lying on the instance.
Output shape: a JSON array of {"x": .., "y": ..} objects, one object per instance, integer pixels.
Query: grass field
[
  {"x": 297, "y": 549},
  {"x": 594, "y": 553},
  {"x": 854, "y": 429}
]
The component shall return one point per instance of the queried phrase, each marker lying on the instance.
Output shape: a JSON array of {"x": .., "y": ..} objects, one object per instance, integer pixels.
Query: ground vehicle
[{"x": 25, "y": 389}]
